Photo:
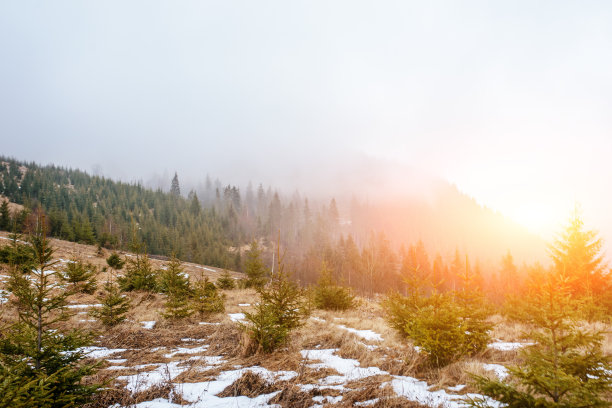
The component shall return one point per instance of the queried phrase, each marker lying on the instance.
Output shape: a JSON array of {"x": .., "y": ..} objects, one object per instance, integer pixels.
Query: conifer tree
[
  {"x": 175, "y": 284},
  {"x": 139, "y": 273},
  {"x": 205, "y": 298},
  {"x": 446, "y": 326},
  {"x": 254, "y": 267},
  {"x": 282, "y": 308},
  {"x": 81, "y": 276},
  {"x": 114, "y": 304},
  {"x": 225, "y": 281},
  {"x": 46, "y": 359},
  {"x": 5, "y": 216},
  {"x": 329, "y": 295},
  {"x": 175, "y": 189},
  {"x": 564, "y": 367},
  {"x": 173, "y": 279},
  {"x": 577, "y": 253}
]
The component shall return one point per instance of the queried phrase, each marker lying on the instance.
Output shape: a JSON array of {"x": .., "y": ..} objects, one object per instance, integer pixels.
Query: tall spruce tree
[
  {"x": 175, "y": 189},
  {"x": 577, "y": 253}
]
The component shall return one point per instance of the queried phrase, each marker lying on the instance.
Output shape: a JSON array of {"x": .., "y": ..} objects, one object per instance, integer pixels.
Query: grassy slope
[{"x": 147, "y": 349}]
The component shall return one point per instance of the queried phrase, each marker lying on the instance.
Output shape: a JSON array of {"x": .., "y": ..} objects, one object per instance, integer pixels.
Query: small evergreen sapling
[
  {"x": 257, "y": 273},
  {"x": 206, "y": 299},
  {"x": 172, "y": 279},
  {"x": 114, "y": 304},
  {"x": 564, "y": 368},
  {"x": 81, "y": 276},
  {"x": 47, "y": 359},
  {"x": 446, "y": 326},
  {"x": 329, "y": 295},
  {"x": 282, "y": 308},
  {"x": 175, "y": 284},
  {"x": 226, "y": 281},
  {"x": 139, "y": 273}
]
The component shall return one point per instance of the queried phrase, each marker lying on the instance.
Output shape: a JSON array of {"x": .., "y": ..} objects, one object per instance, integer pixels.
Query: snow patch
[
  {"x": 500, "y": 371},
  {"x": 99, "y": 352},
  {"x": 148, "y": 325},
  {"x": 237, "y": 317},
  {"x": 364, "y": 334},
  {"x": 507, "y": 346}
]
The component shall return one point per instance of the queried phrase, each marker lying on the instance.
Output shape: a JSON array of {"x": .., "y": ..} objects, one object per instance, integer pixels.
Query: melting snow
[
  {"x": 83, "y": 306},
  {"x": 184, "y": 350},
  {"x": 236, "y": 317},
  {"x": 364, "y": 334},
  {"x": 507, "y": 346},
  {"x": 408, "y": 387},
  {"x": 100, "y": 352},
  {"x": 500, "y": 371},
  {"x": 144, "y": 381},
  {"x": 148, "y": 324}
]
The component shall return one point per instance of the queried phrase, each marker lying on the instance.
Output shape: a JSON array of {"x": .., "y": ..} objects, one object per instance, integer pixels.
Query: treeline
[
  {"x": 96, "y": 210},
  {"x": 215, "y": 224}
]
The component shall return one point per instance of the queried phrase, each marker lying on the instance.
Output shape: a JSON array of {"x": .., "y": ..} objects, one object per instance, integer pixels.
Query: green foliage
[
  {"x": 21, "y": 391},
  {"x": 206, "y": 299},
  {"x": 282, "y": 307},
  {"x": 565, "y": 367},
  {"x": 81, "y": 276},
  {"x": 114, "y": 307},
  {"x": 97, "y": 210},
  {"x": 114, "y": 304},
  {"x": 256, "y": 272},
  {"x": 226, "y": 281},
  {"x": 18, "y": 255},
  {"x": 172, "y": 279},
  {"x": 47, "y": 360},
  {"x": 5, "y": 216},
  {"x": 175, "y": 284},
  {"x": 115, "y": 262},
  {"x": 444, "y": 327},
  {"x": 329, "y": 295},
  {"x": 139, "y": 274}
]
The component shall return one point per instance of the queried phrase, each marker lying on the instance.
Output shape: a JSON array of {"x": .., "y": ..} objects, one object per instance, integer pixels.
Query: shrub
[
  {"x": 446, "y": 326},
  {"x": 114, "y": 305},
  {"x": 282, "y": 307},
  {"x": 139, "y": 274},
  {"x": 173, "y": 280},
  {"x": 46, "y": 360},
  {"x": 565, "y": 367},
  {"x": 226, "y": 281},
  {"x": 330, "y": 296},
  {"x": 256, "y": 271},
  {"x": 81, "y": 276},
  {"x": 206, "y": 299}
]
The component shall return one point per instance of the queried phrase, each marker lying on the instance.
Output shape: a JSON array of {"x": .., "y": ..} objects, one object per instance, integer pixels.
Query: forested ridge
[
  {"x": 216, "y": 224},
  {"x": 96, "y": 210}
]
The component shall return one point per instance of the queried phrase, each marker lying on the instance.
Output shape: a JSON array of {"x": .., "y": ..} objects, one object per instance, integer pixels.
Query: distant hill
[{"x": 207, "y": 225}]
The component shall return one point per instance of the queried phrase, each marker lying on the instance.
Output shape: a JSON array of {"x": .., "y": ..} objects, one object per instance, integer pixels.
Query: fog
[{"x": 510, "y": 102}]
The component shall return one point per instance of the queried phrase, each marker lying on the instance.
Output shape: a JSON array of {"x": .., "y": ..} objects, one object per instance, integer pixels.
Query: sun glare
[{"x": 537, "y": 217}]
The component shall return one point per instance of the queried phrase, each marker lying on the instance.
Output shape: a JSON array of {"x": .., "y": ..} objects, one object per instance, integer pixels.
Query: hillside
[{"x": 337, "y": 359}]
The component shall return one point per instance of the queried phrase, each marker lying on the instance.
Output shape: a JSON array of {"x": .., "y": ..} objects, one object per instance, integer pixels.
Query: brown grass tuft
[{"x": 248, "y": 385}]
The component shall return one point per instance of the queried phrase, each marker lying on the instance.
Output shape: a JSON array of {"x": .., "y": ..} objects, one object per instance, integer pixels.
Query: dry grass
[{"x": 224, "y": 338}]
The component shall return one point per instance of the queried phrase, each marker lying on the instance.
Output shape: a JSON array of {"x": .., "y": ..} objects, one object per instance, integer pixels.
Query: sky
[{"x": 510, "y": 101}]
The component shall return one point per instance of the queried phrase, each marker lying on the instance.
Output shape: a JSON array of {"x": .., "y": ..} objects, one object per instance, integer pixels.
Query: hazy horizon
[{"x": 509, "y": 102}]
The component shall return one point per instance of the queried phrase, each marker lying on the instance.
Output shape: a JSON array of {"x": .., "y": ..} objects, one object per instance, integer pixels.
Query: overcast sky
[{"x": 511, "y": 101}]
